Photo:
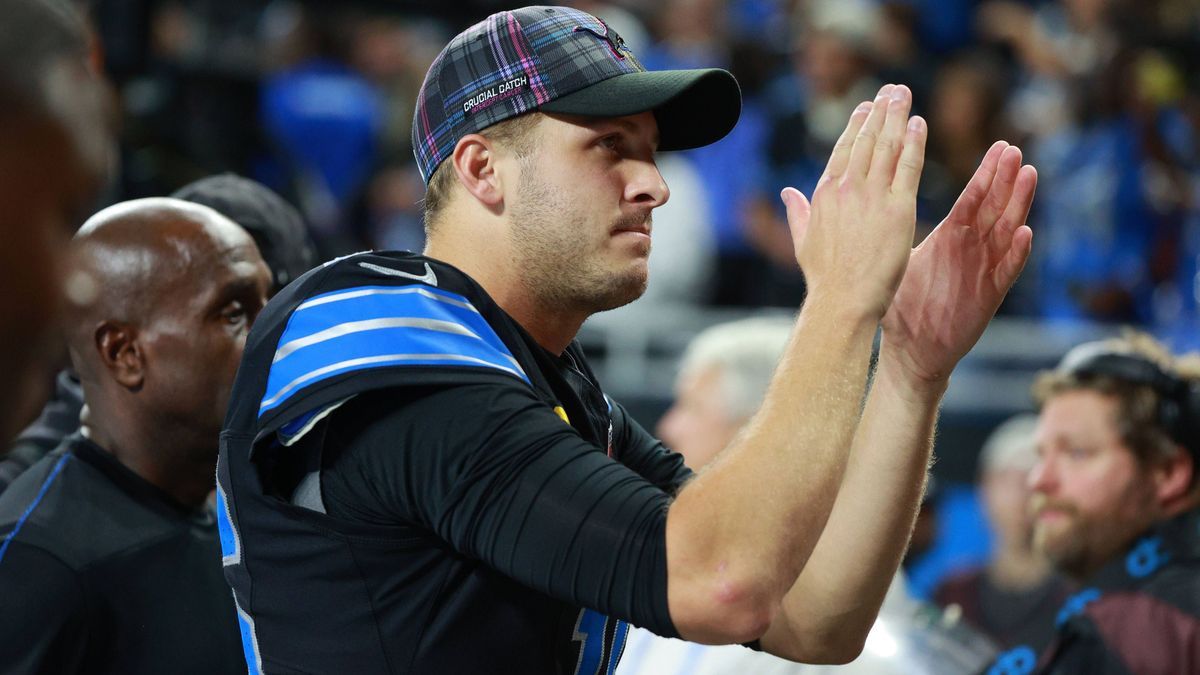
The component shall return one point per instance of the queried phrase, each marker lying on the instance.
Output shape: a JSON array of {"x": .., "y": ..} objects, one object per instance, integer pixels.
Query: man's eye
[
  {"x": 1077, "y": 452},
  {"x": 611, "y": 142},
  {"x": 234, "y": 313}
]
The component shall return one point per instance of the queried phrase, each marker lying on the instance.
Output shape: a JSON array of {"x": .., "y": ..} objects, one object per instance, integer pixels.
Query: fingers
[
  {"x": 912, "y": 157},
  {"x": 1014, "y": 259},
  {"x": 798, "y": 211},
  {"x": 891, "y": 137},
  {"x": 1016, "y": 211},
  {"x": 868, "y": 135},
  {"x": 1000, "y": 191},
  {"x": 966, "y": 207},
  {"x": 840, "y": 156}
]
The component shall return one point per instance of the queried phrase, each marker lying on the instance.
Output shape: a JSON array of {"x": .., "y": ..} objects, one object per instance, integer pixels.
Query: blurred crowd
[{"x": 315, "y": 100}]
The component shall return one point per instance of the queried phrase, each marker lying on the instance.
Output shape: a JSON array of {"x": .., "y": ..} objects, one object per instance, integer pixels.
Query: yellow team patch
[{"x": 561, "y": 412}]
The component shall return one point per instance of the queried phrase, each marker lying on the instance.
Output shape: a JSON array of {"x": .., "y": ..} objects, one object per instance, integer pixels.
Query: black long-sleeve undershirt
[{"x": 498, "y": 476}]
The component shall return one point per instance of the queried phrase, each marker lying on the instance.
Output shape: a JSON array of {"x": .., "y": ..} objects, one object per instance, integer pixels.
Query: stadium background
[{"x": 315, "y": 100}]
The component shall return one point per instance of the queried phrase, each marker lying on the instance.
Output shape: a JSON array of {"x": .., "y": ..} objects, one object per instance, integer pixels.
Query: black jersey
[
  {"x": 408, "y": 483},
  {"x": 103, "y": 572},
  {"x": 1139, "y": 614}
]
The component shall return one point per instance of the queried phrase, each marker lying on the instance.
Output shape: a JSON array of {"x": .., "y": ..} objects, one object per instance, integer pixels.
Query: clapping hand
[
  {"x": 958, "y": 276},
  {"x": 853, "y": 240}
]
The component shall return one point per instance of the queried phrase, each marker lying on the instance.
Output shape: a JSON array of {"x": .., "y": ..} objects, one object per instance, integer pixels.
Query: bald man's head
[
  {"x": 163, "y": 295},
  {"x": 133, "y": 254}
]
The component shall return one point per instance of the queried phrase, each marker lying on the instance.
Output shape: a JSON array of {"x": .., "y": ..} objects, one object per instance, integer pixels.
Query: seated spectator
[
  {"x": 723, "y": 377},
  {"x": 110, "y": 547},
  {"x": 285, "y": 245},
  {"x": 55, "y": 148},
  {"x": 1115, "y": 501},
  {"x": 1016, "y": 595}
]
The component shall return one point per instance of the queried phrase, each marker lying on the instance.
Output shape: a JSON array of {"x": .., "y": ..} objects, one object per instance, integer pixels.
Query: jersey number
[{"x": 601, "y": 642}]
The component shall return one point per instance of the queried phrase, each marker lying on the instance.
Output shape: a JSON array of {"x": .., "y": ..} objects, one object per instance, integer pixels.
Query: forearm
[
  {"x": 833, "y": 604},
  {"x": 739, "y": 534}
]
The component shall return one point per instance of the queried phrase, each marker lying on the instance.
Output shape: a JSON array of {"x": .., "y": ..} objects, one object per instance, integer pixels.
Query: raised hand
[
  {"x": 958, "y": 276},
  {"x": 853, "y": 241}
]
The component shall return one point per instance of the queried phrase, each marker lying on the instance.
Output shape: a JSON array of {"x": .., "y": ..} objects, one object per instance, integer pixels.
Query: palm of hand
[{"x": 958, "y": 276}]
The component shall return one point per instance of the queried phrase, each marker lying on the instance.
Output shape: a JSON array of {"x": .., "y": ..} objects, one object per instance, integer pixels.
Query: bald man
[
  {"x": 109, "y": 547},
  {"x": 285, "y": 245},
  {"x": 55, "y": 149}
]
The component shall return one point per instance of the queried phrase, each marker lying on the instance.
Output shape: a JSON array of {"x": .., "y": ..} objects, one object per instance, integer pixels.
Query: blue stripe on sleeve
[
  {"x": 33, "y": 505},
  {"x": 379, "y": 326},
  {"x": 365, "y": 303}
]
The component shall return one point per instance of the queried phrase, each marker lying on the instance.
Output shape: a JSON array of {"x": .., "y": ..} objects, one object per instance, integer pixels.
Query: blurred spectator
[
  {"x": 835, "y": 62},
  {"x": 110, "y": 545},
  {"x": 55, "y": 148},
  {"x": 1053, "y": 43},
  {"x": 324, "y": 121},
  {"x": 1107, "y": 235},
  {"x": 1015, "y": 596},
  {"x": 692, "y": 35},
  {"x": 965, "y": 117},
  {"x": 1096, "y": 90},
  {"x": 1115, "y": 497},
  {"x": 723, "y": 377},
  {"x": 1183, "y": 330},
  {"x": 832, "y": 72},
  {"x": 283, "y": 241},
  {"x": 899, "y": 52}
]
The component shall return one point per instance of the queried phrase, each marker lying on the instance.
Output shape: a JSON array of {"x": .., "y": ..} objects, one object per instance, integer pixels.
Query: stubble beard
[
  {"x": 552, "y": 246},
  {"x": 1083, "y": 544}
]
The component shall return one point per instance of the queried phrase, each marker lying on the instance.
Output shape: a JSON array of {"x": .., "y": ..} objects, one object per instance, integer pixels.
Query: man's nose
[
  {"x": 647, "y": 185},
  {"x": 1041, "y": 477}
]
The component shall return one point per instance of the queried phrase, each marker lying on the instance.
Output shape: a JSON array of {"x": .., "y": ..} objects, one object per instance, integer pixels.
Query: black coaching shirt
[
  {"x": 103, "y": 572},
  {"x": 410, "y": 484}
]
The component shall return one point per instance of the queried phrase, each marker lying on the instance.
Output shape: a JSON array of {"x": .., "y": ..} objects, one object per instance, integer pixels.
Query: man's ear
[
  {"x": 121, "y": 353},
  {"x": 1173, "y": 478},
  {"x": 475, "y": 163}
]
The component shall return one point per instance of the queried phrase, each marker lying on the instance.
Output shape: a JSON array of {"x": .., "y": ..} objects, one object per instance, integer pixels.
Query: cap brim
[{"x": 693, "y": 107}]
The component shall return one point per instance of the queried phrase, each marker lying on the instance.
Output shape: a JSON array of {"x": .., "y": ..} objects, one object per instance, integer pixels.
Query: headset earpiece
[{"x": 1178, "y": 399}]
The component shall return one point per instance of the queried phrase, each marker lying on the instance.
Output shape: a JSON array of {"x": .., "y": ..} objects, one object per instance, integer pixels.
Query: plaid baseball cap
[{"x": 562, "y": 60}]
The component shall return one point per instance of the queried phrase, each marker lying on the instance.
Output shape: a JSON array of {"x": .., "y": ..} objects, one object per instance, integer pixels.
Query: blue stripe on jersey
[
  {"x": 377, "y": 326},
  {"x": 374, "y": 302},
  {"x": 249, "y": 639},
  {"x": 33, "y": 505},
  {"x": 231, "y": 545}
]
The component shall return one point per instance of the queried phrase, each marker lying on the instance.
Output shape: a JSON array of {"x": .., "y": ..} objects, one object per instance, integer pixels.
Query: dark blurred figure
[
  {"x": 276, "y": 226},
  {"x": 283, "y": 241},
  {"x": 1015, "y": 596},
  {"x": 110, "y": 545},
  {"x": 965, "y": 116},
  {"x": 324, "y": 121},
  {"x": 55, "y": 148}
]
